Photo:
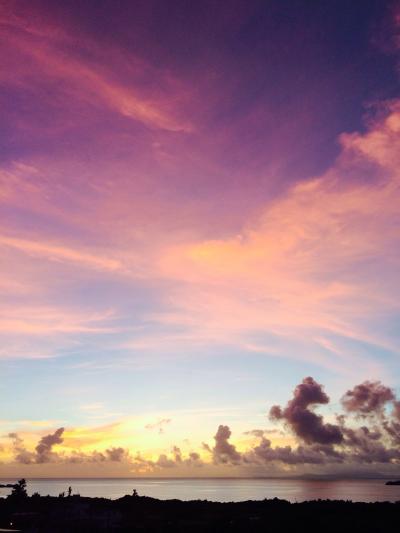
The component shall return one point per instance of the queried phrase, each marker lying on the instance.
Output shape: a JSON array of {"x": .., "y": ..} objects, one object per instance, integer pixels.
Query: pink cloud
[
  {"x": 146, "y": 213},
  {"x": 304, "y": 264}
]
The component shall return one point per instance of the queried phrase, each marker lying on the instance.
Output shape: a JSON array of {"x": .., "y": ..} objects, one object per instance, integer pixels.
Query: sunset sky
[{"x": 199, "y": 237}]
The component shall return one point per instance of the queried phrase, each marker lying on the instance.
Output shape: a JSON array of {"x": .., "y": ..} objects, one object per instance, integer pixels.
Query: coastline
[
  {"x": 217, "y": 489},
  {"x": 140, "y": 513}
]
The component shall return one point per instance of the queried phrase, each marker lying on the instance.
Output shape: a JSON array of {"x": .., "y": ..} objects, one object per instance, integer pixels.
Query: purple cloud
[
  {"x": 224, "y": 452},
  {"x": 307, "y": 425},
  {"x": 44, "y": 448},
  {"x": 367, "y": 398}
]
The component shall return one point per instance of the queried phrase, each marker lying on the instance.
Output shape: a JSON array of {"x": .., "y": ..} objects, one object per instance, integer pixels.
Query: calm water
[{"x": 221, "y": 490}]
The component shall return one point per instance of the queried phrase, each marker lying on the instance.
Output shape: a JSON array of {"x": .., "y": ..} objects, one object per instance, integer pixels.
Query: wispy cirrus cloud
[
  {"x": 48, "y": 55},
  {"x": 174, "y": 221},
  {"x": 312, "y": 261},
  {"x": 308, "y": 266},
  {"x": 54, "y": 252},
  {"x": 37, "y": 321}
]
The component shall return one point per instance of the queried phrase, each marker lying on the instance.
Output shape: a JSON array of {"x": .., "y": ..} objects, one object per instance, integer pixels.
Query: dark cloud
[
  {"x": 206, "y": 447},
  {"x": 366, "y": 446},
  {"x": 159, "y": 426},
  {"x": 21, "y": 454},
  {"x": 224, "y": 452},
  {"x": 116, "y": 454},
  {"x": 261, "y": 432},
  {"x": 164, "y": 461},
  {"x": 193, "y": 459},
  {"x": 316, "y": 454},
  {"x": 391, "y": 424},
  {"x": 307, "y": 425},
  {"x": 44, "y": 452},
  {"x": 319, "y": 443},
  {"x": 396, "y": 410},
  {"x": 393, "y": 430},
  {"x": 177, "y": 454},
  {"x": 367, "y": 398},
  {"x": 371, "y": 398},
  {"x": 255, "y": 433}
]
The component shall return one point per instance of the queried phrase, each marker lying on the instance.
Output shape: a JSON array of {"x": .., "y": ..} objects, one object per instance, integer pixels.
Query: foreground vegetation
[{"x": 142, "y": 514}]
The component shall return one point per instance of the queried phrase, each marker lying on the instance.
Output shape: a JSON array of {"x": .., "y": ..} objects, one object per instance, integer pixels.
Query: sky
[{"x": 199, "y": 238}]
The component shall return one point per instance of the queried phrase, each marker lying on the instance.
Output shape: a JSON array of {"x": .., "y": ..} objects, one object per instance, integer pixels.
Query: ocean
[{"x": 221, "y": 490}]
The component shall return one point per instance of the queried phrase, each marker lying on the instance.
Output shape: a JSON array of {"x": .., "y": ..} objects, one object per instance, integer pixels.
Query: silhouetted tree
[{"x": 19, "y": 490}]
